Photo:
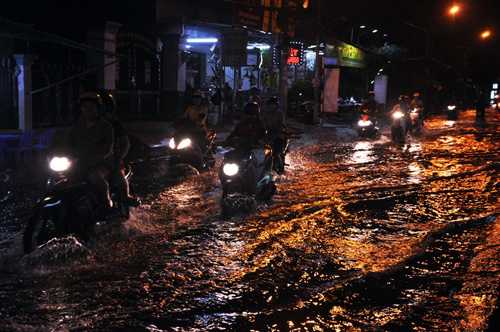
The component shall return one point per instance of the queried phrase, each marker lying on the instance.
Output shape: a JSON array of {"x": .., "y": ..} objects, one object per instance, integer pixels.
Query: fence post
[{"x": 24, "y": 87}]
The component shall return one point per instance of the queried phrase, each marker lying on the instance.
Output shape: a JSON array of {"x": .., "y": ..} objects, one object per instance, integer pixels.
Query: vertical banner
[
  {"x": 380, "y": 89},
  {"x": 234, "y": 48},
  {"x": 331, "y": 90}
]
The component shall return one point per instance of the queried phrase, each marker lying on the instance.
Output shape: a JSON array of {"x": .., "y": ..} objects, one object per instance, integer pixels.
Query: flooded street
[{"x": 362, "y": 235}]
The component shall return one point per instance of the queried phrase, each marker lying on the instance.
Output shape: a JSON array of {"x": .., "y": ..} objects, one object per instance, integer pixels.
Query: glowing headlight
[
  {"x": 398, "y": 115},
  {"x": 59, "y": 164},
  {"x": 230, "y": 169},
  {"x": 184, "y": 144},
  {"x": 171, "y": 144},
  {"x": 451, "y": 107},
  {"x": 363, "y": 123}
]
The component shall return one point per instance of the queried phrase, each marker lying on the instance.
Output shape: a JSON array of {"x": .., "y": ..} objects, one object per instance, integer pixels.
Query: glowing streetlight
[
  {"x": 486, "y": 34},
  {"x": 454, "y": 9}
]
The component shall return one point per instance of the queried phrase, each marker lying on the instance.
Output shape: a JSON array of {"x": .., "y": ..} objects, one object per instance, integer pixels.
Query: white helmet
[{"x": 199, "y": 93}]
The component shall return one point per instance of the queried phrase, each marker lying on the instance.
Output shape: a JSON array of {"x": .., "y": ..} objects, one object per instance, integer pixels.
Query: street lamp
[
  {"x": 454, "y": 9},
  {"x": 485, "y": 34},
  {"x": 352, "y": 31},
  {"x": 364, "y": 33}
]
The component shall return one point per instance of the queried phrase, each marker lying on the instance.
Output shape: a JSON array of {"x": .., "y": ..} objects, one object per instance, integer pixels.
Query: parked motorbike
[
  {"x": 399, "y": 128},
  {"x": 69, "y": 205},
  {"x": 189, "y": 146},
  {"x": 247, "y": 169},
  {"x": 367, "y": 125}
]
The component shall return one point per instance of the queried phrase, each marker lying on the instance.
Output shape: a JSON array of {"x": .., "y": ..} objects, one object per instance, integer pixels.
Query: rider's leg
[{"x": 100, "y": 185}]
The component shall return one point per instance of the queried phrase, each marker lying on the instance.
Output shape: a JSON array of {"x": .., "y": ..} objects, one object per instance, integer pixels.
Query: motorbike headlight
[
  {"x": 230, "y": 169},
  {"x": 171, "y": 144},
  {"x": 451, "y": 107},
  {"x": 59, "y": 164},
  {"x": 398, "y": 115},
  {"x": 363, "y": 123},
  {"x": 184, "y": 144}
]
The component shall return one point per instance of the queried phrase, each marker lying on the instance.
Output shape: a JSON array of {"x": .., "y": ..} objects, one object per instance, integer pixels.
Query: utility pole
[
  {"x": 283, "y": 48},
  {"x": 317, "y": 69}
]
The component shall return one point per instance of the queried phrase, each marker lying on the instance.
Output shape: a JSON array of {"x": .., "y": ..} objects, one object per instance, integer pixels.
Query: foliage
[{"x": 301, "y": 90}]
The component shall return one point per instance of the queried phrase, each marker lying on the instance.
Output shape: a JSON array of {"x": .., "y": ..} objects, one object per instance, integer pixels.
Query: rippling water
[{"x": 362, "y": 235}]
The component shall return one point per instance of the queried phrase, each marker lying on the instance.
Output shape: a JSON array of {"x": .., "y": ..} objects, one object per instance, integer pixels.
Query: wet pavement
[{"x": 362, "y": 235}]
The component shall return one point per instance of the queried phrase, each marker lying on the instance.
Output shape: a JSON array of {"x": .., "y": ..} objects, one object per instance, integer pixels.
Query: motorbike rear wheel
[{"x": 42, "y": 227}]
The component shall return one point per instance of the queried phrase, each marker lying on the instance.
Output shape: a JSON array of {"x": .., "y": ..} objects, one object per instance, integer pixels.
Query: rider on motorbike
[
  {"x": 121, "y": 145},
  {"x": 418, "y": 103},
  {"x": 197, "y": 112},
  {"x": 404, "y": 107},
  {"x": 91, "y": 141},
  {"x": 370, "y": 106},
  {"x": 275, "y": 122},
  {"x": 252, "y": 134}
]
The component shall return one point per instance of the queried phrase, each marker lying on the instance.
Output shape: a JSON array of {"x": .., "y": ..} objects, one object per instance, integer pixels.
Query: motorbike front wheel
[
  {"x": 41, "y": 228},
  {"x": 397, "y": 134}
]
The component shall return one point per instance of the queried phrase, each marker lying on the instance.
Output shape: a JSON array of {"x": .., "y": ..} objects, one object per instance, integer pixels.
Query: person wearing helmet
[
  {"x": 121, "y": 145},
  {"x": 404, "y": 106},
  {"x": 250, "y": 134},
  {"x": 275, "y": 122},
  {"x": 197, "y": 112},
  {"x": 252, "y": 128},
  {"x": 90, "y": 140},
  {"x": 417, "y": 103},
  {"x": 370, "y": 106}
]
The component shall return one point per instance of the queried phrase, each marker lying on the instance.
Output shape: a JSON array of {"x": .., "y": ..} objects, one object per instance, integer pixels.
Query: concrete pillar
[
  {"x": 173, "y": 60},
  {"x": 105, "y": 39},
  {"x": 24, "y": 88}
]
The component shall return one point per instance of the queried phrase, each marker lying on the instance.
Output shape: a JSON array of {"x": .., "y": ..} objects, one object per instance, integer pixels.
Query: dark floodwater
[{"x": 361, "y": 236}]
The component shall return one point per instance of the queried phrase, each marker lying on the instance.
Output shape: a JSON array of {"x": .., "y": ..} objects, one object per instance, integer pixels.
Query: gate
[
  {"x": 8, "y": 94},
  {"x": 55, "y": 106},
  {"x": 138, "y": 77}
]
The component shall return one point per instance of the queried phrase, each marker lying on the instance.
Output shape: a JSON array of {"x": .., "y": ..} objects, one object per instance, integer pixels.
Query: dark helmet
[
  {"x": 251, "y": 110},
  {"x": 273, "y": 101},
  {"x": 90, "y": 96},
  {"x": 109, "y": 102}
]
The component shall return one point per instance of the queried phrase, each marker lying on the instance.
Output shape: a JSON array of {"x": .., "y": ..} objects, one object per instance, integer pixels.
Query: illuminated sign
[
  {"x": 338, "y": 53},
  {"x": 294, "y": 54}
]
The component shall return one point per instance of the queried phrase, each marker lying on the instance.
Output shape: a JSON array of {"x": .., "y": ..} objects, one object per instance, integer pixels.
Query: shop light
[
  {"x": 202, "y": 40},
  {"x": 261, "y": 46}
]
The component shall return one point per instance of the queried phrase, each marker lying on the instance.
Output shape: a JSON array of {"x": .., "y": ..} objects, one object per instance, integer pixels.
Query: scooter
[
  {"x": 69, "y": 205},
  {"x": 366, "y": 125},
  {"x": 247, "y": 169},
  {"x": 399, "y": 128},
  {"x": 189, "y": 146}
]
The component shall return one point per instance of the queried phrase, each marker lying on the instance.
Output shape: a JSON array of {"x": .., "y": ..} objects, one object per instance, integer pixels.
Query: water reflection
[{"x": 359, "y": 237}]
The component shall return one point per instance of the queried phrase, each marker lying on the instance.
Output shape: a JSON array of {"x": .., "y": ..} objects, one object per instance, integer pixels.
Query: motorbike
[
  {"x": 191, "y": 146},
  {"x": 399, "y": 128},
  {"x": 70, "y": 205},
  {"x": 247, "y": 169},
  {"x": 367, "y": 125}
]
